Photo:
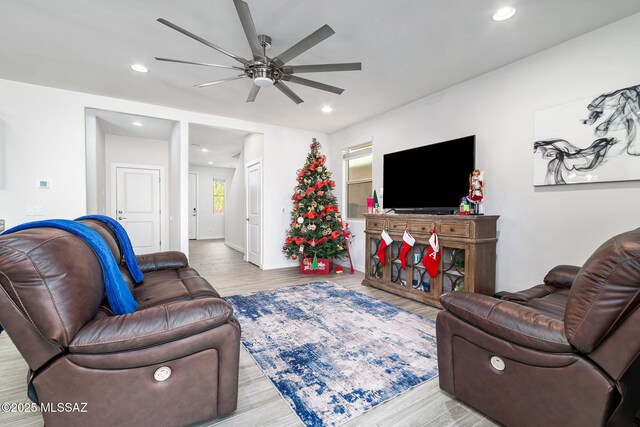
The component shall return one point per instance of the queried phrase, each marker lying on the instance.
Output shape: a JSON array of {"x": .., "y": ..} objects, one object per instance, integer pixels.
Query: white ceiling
[
  {"x": 122, "y": 124},
  {"x": 222, "y": 146},
  {"x": 409, "y": 49}
]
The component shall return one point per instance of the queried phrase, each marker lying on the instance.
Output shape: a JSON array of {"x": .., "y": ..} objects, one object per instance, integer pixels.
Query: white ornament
[{"x": 300, "y": 220}]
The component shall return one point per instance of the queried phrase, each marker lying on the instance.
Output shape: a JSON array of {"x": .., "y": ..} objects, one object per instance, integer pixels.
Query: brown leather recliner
[
  {"x": 564, "y": 353},
  {"x": 52, "y": 305}
]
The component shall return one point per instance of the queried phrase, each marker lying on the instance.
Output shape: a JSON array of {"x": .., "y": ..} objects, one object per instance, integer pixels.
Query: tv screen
[{"x": 430, "y": 178}]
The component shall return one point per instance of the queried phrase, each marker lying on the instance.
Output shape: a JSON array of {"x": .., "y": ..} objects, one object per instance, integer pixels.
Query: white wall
[
  {"x": 44, "y": 132},
  {"x": 253, "y": 147},
  {"x": 91, "y": 132},
  {"x": 100, "y": 170},
  {"x": 210, "y": 226},
  {"x": 44, "y": 138},
  {"x": 235, "y": 209},
  {"x": 538, "y": 227},
  {"x": 176, "y": 210},
  {"x": 95, "y": 154},
  {"x": 3, "y": 157}
]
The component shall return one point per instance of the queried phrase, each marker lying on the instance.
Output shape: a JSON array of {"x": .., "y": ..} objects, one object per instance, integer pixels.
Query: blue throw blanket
[
  {"x": 118, "y": 294},
  {"x": 125, "y": 244}
]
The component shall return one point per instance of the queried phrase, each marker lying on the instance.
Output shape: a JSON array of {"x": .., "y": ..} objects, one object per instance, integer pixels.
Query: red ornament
[{"x": 294, "y": 257}]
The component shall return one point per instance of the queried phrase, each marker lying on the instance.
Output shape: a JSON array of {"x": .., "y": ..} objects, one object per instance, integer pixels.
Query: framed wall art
[{"x": 591, "y": 140}]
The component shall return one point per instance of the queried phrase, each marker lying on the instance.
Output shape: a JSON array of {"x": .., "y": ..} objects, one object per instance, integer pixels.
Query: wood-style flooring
[{"x": 259, "y": 403}]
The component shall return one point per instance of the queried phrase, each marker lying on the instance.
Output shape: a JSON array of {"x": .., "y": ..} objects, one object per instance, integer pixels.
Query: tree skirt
[{"x": 334, "y": 353}]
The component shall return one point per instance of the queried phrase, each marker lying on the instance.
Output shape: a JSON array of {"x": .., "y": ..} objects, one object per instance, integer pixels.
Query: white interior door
[
  {"x": 138, "y": 207},
  {"x": 254, "y": 214},
  {"x": 193, "y": 206}
]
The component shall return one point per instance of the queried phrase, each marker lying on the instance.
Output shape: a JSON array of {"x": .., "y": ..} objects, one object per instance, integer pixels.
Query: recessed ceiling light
[
  {"x": 204, "y": 150},
  {"x": 136, "y": 124},
  {"x": 209, "y": 163},
  {"x": 326, "y": 109},
  {"x": 139, "y": 68},
  {"x": 503, "y": 14}
]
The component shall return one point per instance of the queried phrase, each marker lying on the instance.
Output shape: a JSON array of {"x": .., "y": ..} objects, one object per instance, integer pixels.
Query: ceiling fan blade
[
  {"x": 180, "y": 61},
  {"x": 321, "y": 68},
  {"x": 249, "y": 27},
  {"x": 285, "y": 89},
  {"x": 313, "y": 84},
  {"x": 228, "y": 79},
  {"x": 201, "y": 40},
  {"x": 254, "y": 92},
  {"x": 305, "y": 44}
]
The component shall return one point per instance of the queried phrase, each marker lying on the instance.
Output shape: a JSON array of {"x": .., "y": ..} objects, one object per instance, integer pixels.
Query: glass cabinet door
[
  {"x": 420, "y": 279},
  {"x": 376, "y": 269},
  {"x": 398, "y": 275},
  {"x": 453, "y": 264}
]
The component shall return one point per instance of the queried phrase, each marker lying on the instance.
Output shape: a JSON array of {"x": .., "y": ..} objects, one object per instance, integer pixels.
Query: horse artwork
[{"x": 571, "y": 149}]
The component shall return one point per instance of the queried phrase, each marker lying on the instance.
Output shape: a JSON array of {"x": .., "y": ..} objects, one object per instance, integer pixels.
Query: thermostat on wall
[{"x": 44, "y": 184}]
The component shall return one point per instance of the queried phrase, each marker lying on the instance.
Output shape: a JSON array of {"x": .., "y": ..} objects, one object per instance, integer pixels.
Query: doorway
[{"x": 142, "y": 143}]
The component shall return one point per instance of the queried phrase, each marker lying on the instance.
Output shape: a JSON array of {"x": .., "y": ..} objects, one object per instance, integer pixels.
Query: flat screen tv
[{"x": 430, "y": 179}]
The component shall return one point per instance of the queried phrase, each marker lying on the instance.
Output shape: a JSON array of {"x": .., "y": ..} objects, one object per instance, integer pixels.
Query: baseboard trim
[
  {"x": 234, "y": 247},
  {"x": 210, "y": 237}
]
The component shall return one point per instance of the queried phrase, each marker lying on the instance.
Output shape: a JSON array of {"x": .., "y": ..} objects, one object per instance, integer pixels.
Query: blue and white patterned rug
[{"x": 334, "y": 353}]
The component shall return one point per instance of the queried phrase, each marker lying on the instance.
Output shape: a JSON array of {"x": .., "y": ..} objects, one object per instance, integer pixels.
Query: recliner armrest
[
  {"x": 561, "y": 276},
  {"x": 510, "y": 321},
  {"x": 538, "y": 291},
  {"x": 162, "y": 261},
  {"x": 152, "y": 326}
]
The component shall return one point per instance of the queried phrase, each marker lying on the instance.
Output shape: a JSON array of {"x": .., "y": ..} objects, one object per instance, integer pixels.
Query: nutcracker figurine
[{"x": 476, "y": 190}]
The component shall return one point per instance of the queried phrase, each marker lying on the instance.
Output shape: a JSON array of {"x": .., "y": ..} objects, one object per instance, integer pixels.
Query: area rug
[{"x": 334, "y": 353}]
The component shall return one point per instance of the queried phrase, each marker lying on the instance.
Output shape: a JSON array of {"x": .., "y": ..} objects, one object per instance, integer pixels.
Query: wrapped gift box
[{"x": 324, "y": 266}]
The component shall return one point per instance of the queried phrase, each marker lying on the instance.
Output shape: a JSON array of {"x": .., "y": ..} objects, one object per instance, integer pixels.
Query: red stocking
[
  {"x": 407, "y": 243},
  {"x": 384, "y": 242},
  {"x": 432, "y": 259}
]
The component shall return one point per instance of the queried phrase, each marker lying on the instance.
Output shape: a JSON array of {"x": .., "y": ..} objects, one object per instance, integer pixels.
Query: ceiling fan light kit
[{"x": 263, "y": 70}]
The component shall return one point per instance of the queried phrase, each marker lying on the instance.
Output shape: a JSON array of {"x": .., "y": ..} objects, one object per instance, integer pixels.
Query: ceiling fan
[{"x": 265, "y": 71}]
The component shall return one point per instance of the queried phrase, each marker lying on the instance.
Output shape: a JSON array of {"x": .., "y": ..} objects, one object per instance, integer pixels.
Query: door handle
[{"x": 120, "y": 218}]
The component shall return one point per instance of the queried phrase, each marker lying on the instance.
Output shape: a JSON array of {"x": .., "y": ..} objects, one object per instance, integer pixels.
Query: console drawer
[
  {"x": 457, "y": 229},
  {"x": 375, "y": 224},
  {"x": 415, "y": 227}
]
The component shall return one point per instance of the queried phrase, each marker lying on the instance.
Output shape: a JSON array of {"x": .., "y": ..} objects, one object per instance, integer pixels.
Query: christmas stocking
[
  {"x": 407, "y": 243},
  {"x": 432, "y": 259},
  {"x": 384, "y": 242}
]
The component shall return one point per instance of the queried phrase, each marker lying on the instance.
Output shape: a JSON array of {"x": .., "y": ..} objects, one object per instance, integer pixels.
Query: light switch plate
[{"x": 44, "y": 184}]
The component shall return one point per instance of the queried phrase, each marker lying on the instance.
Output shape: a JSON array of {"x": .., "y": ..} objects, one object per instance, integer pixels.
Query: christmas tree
[{"x": 316, "y": 225}]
